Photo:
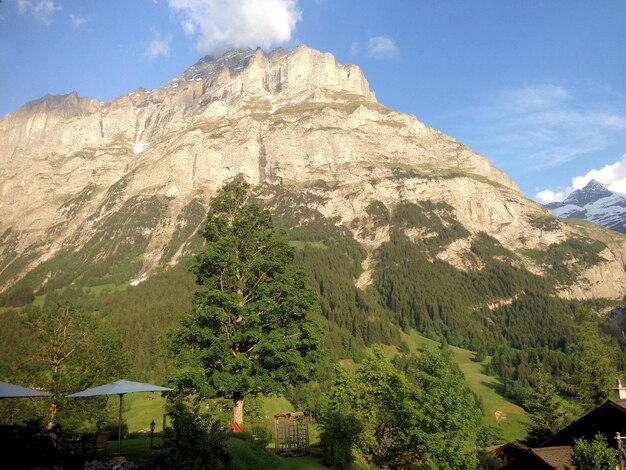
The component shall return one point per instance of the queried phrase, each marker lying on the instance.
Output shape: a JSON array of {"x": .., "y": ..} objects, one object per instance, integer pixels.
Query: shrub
[
  {"x": 195, "y": 440},
  {"x": 340, "y": 431},
  {"x": 593, "y": 455},
  {"x": 262, "y": 436}
]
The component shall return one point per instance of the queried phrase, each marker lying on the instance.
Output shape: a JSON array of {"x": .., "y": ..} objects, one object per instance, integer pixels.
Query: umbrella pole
[{"x": 119, "y": 428}]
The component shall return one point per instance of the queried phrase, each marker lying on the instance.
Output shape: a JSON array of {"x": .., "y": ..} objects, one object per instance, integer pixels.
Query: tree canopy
[
  {"x": 594, "y": 362},
  {"x": 593, "y": 455},
  {"x": 248, "y": 333},
  {"x": 544, "y": 407},
  {"x": 61, "y": 350},
  {"x": 425, "y": 417}
]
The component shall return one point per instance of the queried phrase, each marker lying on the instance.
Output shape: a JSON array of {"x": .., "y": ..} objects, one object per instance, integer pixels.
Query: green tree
[
  {"x": 248, "y": 333},
  {"x": 544, "y": 407},
  {"x": 195, "y": 440},
  {"x": 427, "y": 417},
  {"x": 594, "y": 362},
  {"x": 447, "y": 430},
  {"x": 376, "y": 394},
  {"x": 594, "y": 455},
  {"x": 340, "y": 432},
  {"x": 64, "y": 352}
]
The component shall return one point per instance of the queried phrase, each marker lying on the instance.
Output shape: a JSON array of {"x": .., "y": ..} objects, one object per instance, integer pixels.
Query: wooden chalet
[
  {"x": 556, "y": 453},
  {"x": 608, "y": 419},
  {"x": 544, "y": 458}
]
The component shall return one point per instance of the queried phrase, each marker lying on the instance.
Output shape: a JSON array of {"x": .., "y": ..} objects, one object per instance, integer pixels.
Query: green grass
[
  {"x": 273, "y": 405},
  {"x": 308, "y": 462},
  {"x": 139, "y": 411},
  {"x": 498, "y": 410},
  {"x": 135, "y": 450},
  {"x": 245, "y": 455}
]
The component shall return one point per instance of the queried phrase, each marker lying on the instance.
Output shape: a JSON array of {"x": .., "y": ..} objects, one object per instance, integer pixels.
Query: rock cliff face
[{"x": 131, "y": 178}]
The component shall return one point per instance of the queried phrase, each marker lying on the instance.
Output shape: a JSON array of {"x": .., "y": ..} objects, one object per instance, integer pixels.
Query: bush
[
  {"x": 262, "y": 436},
  {"x": 113, "y": 428},
  {"x": 195, "y": 441},
  {"x": 340, "y": 432},
  {"x": 489, "y": 435},
  {"x": 593, "y": 455}
]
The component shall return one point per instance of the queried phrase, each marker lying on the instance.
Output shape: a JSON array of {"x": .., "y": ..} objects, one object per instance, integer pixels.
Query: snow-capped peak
[{"x": 595, "y": 203}]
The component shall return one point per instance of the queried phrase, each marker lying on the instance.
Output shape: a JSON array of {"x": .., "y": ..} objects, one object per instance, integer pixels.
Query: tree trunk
[{"x": 238, "y": 409}]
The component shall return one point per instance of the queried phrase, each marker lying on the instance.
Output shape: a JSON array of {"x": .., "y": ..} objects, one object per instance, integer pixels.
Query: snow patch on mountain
[{"x": 594, "y": 203}]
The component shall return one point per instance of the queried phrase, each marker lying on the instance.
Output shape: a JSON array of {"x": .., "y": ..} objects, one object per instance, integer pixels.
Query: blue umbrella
[
  {"x": 8, "y": 390},
  {"x": 121, "y": 388}
]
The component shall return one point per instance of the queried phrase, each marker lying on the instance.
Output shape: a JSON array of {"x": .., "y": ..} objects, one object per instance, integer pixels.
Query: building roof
[
  {"x": 607, "y": 418},
  {"x": 544, "y": 458},
  {"x": 559, "y": 457}
]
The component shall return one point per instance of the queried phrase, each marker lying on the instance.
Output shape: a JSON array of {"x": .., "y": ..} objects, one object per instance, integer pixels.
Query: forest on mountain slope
[{"x": 501, "y": 310}]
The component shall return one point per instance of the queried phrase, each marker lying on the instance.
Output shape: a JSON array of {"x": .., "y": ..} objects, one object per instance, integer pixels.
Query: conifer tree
[
  {"x": 248, "y": 333},
  {"x": 594, "y": 363},
  {"x": 544, "y": 407}
]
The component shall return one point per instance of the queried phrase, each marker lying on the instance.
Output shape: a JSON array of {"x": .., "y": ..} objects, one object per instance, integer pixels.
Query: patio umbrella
[
  {"x": 8, "y": 390},
  {"x": 121, "y": 388}
]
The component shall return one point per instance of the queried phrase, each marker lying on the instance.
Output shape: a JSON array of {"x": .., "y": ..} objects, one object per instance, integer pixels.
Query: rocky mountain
[
  {"x": 95, "y": 193},
  {"x": 594, "y": 203}
]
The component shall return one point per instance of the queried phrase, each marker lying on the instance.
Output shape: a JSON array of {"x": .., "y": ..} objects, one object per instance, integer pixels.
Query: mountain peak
[
  {"x": 592, "y": 192},
  {"x": 281, "y": 71},
  {"x": 66, "y": 105},
  {"x": 594, "y": 202},
  {"x": 209, "y": 65}
]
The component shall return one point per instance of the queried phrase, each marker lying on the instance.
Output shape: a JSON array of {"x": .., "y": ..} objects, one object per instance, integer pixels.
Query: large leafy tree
[
  {"x": 248, "y": 333},
  {"x": 61, "y": 350},
  {"x": 447, "y": 430},
  {"x": 425, "y": 418}
]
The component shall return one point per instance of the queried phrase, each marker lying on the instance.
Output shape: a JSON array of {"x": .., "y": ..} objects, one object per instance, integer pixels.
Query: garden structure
[{"x": 291, "y": 433}]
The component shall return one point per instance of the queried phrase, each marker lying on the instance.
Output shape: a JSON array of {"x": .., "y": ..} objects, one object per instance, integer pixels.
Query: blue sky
[{"x": 538, "y": 87}]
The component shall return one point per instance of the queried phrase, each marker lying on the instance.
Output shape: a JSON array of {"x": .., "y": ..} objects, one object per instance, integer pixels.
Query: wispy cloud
[
  {"x": 80, "y": 21},
  {"x": 43, "y": 10},
  {"x": 354, "y": 49},
  {"x": 383, "y": 47},
  {"x": 159, "y": 46},
  {"x": 544, "y": 126},
  {"x": 219, "y": 25}
]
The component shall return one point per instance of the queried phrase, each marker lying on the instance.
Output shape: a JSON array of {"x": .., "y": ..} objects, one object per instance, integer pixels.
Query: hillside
[{"x": 397, "y": 224}]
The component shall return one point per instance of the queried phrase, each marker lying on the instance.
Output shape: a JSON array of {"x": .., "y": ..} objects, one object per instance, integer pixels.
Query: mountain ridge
[
  {"x": 595, "y": 203},
  {"x": 127, "y": 180}
]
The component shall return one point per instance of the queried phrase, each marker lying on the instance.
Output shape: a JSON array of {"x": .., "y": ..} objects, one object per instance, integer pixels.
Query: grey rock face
[{"x": 72, "y": 168}]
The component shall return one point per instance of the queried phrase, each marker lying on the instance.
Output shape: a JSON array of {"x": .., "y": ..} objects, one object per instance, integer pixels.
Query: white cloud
[
  {"x": 354, "y": 48},
  {"x": 613, "y": 176},
  {"x": 43, "y": 10},
  {"x": 383, "y": 47},
  {"x": 609, "y": 175},
  {"x": 219, "y": 25},
  {"x": 159, "y": 46},
  {"x": 547, "y": 195},
  {"x": 79, "y": 21}
]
